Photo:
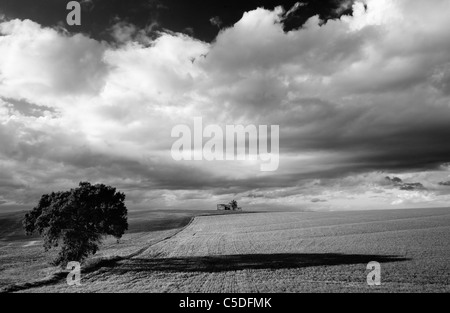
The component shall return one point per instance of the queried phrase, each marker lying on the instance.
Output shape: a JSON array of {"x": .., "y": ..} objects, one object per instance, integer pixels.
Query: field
[
  {"x": 23, "y": 260},
  {"x": 258, "y": 252}
]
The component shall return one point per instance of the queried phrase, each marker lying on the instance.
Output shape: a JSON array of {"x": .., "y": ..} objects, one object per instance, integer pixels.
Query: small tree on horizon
[
  {"x": 77, "y": 220},
  {"x": 233, "y": 204}
]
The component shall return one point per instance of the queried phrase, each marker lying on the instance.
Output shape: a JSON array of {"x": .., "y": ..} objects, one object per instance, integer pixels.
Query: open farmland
[
  {"x": 286, "y": 252},
  {"x": 23, "y": 259}
]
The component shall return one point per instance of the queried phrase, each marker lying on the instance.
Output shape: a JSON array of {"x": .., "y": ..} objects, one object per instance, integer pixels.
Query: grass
[{"x": 266, "y": 252}]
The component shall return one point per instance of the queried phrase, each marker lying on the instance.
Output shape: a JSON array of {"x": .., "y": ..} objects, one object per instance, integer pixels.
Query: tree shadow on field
[{"x": 223, "y": 263}]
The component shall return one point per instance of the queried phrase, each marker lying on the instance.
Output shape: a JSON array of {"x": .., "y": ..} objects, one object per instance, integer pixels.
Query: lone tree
[
  {"x": 77, "y": 219},
  {"x": 233, "y": 204}
]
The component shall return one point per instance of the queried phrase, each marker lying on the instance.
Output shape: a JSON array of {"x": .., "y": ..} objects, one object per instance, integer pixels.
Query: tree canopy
[{"x": 77, "y": 220}]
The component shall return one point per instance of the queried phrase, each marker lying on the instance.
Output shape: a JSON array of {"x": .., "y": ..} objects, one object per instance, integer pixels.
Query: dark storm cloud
[
  {"x": 174, "y": 15},
  {"x": 390, "y": 137}
]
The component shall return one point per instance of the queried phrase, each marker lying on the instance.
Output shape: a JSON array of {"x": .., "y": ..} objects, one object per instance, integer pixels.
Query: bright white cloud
[{"x": 42, "y": 64}]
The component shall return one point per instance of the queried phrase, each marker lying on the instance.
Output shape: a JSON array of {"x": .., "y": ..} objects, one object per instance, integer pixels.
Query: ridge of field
[{"x": 287, "y": 252}]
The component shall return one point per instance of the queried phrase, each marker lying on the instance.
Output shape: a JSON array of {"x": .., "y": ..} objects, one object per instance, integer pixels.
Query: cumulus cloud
[
  {"x": 40, "y": 64},
  {"x": 366, "y": 94}
]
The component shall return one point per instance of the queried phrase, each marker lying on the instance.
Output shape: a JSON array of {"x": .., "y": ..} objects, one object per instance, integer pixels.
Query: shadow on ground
[
  {"x": 220, "y": 263},
  {"x": 246, "y": 261}
]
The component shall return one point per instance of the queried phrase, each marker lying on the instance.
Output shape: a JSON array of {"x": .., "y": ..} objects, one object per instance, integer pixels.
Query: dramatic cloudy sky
[{"x": 360, "y": 90}]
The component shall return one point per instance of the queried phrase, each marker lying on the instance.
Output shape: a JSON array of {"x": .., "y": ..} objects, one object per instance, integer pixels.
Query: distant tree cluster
[
  {"x": 77, "y": 220},
  {"x": 233, "y": 205}
]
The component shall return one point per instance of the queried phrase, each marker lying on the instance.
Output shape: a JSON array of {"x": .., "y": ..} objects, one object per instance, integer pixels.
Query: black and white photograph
[{"x": 196, "y": 148}]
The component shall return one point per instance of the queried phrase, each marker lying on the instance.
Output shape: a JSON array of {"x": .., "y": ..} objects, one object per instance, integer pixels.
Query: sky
[{"x": 360, "y": 91}]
